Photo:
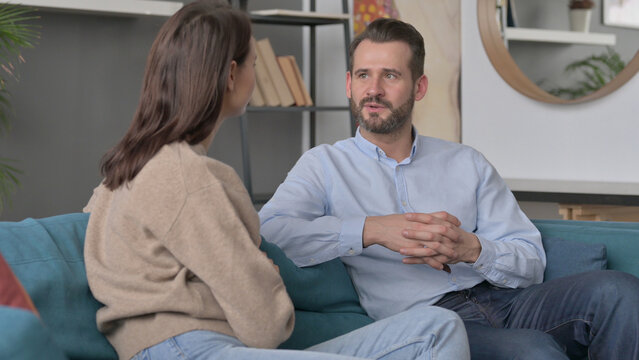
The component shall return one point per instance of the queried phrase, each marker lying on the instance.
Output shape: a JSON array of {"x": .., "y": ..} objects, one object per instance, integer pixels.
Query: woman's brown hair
[{"x": 184, "y": 84}]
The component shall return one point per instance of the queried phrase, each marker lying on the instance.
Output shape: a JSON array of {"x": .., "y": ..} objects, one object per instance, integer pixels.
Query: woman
[{"x": 172, "y": 244}]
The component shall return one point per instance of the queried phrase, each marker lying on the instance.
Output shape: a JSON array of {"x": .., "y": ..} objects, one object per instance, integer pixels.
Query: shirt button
[
  {"x": 404, "y": 203},
  {"x": 351, "y": 251},
  {"x": 454, "y": 278}
]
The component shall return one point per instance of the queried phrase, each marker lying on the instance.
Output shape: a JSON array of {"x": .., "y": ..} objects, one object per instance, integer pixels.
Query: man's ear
[
  {"x": 348, "y": 84},
  {"x": 421, "y": 87},
  {"x": 230, "y": 82}
]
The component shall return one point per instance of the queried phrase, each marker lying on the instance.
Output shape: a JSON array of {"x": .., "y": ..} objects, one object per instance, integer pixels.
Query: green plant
[
  {"x": 595, "y": 72},
  {"x": 16, "y": 33}
]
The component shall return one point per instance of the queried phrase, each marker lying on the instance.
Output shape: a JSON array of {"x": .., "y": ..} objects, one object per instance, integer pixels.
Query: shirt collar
[{"x": 376, "y": 152}]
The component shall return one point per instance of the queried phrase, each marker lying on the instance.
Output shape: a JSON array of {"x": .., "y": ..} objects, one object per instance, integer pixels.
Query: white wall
[{"x": 596, "y": 141}]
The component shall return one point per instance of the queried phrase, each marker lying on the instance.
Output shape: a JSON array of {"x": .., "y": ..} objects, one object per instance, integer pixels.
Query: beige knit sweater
[{"x": 176, "y": 250}]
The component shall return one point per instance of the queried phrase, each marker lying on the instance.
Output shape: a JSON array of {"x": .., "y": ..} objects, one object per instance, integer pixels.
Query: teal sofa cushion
[
  {"x": 621, "y": 239},
  {"x": 46, "y": 255},
  {"x": 568, "y": 257},
  {"x": 23, "y": 337},
  {"x": 326, "y": 304}
]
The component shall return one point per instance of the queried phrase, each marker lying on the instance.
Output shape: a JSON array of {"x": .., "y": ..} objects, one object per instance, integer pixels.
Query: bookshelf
[
  {"x": 310, "y": 19},
  {"x": 110, "y": 7}
]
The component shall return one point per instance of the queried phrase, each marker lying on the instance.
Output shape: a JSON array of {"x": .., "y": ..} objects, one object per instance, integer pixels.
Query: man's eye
[
  {"x": 362, "y": 76},
  {"x": 391, "y": 76}
]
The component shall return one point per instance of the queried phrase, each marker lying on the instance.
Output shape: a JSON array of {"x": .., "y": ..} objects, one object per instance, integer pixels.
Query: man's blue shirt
[{"x": 318, "y": 214}]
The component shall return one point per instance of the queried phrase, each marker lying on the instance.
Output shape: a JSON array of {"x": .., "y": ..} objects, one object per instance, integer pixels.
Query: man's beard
[{"x": 394, "y": 121}]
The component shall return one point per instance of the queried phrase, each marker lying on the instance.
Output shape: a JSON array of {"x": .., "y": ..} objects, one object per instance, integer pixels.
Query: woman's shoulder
[{"x": 187, "y": 168}]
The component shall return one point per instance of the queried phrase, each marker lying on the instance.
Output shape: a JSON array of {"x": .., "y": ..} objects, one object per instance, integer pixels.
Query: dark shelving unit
[{"x": 293, "y": 20}]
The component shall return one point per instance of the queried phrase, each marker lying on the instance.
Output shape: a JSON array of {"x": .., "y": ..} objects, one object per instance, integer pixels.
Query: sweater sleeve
[{"x": 210, "y": 238}]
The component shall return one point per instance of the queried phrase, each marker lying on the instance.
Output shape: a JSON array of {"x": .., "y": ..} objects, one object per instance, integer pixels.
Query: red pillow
[{"x": 11, "y": 291}]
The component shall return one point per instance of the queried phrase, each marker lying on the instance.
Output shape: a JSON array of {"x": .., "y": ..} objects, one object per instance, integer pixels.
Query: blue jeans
[
  {"x": 592, "y": 315},
  {"x": 424, "y": 333}
]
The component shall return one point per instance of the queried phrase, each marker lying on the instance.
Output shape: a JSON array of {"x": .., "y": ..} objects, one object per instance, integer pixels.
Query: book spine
[
  {"x": 291, "y": 79},
  {"x": 264, "y": 82},
  {"x": 277, "y": 78},
  {"x": 300, "y": 80}
]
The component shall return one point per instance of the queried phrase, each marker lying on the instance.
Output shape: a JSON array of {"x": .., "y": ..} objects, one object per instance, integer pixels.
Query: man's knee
[{"x": 612, "y": 284}]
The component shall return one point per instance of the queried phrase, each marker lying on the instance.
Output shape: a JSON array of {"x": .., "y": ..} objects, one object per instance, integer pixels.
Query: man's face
[{"x": 381, "y": 90}]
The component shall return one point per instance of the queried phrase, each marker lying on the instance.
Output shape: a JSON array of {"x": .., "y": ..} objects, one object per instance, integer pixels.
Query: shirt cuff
[
  {"x": 486, "y": 257},
  {"x": 350, "y": 237}
]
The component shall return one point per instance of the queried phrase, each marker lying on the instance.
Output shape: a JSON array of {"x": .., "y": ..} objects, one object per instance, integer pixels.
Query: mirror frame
[{"x": 504, "y": 64}]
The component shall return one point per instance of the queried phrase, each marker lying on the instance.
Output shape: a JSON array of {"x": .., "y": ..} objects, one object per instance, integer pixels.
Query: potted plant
[
  {"x": 15, "y": 34},
  {"x": 580, "y": 14},
  {"x": 594, "y": 72}
]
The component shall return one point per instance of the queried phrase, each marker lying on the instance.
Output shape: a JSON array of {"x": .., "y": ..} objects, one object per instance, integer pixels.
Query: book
[
  {"x": 265, "y": 84},
  {"x": 257, "y": 99},
  {"x": 291, "y": 79},
  {"x": 300, "y": 80},
  {"x": 265, "y": 51}
]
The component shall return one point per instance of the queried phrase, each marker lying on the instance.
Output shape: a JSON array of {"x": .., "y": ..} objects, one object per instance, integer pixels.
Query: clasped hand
[{"x": 434, "y": 239}]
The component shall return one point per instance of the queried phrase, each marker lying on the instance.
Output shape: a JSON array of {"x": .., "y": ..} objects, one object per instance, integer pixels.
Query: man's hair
[
  {"x": 184, "y": 84},
  {"x": 386, "y": 30}
]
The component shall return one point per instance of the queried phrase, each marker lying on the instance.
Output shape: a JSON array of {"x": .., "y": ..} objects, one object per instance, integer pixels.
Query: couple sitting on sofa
[{"x": 172, "y": 244}]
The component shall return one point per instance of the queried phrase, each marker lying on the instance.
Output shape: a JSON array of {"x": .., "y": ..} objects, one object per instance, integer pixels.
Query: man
[{"x": 421, "y": 221}]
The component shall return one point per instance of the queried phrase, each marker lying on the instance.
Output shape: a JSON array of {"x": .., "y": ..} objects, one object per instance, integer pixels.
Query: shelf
[
  {"x": 296, "y": 108},
  {"x": 111, "y": 7},
  {"x": 295, "y": 18},
  {"x": 559, "y": 36},
  {"x": 291, "y": 17}
]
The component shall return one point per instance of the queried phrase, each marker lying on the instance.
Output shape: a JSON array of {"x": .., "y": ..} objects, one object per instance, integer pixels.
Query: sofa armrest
[{"x": 23, "y": 336}]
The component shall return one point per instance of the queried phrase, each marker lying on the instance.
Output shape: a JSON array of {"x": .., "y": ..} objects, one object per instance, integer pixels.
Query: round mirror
[{"x": 492, "y": 33}]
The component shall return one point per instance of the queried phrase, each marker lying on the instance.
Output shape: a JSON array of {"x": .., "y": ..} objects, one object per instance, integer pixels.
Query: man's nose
[{"x": 375, "y": 88}]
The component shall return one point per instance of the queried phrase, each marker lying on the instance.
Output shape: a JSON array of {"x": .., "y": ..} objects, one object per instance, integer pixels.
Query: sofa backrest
[
  {"x": 46, "y": 255},
  {"x": 621, "y": 239}
]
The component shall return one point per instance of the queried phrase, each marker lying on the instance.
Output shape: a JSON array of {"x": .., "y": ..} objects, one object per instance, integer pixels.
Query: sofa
[{"x": 48, "y": 312}]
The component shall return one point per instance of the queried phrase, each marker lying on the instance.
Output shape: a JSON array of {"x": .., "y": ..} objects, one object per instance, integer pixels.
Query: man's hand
[
  {"x": 433, "y": 239},
  {"x": 440, "y": 232}
]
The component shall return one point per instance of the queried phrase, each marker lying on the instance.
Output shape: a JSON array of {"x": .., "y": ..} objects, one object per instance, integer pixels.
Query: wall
[
  {"x": 525, "y": 139},
  {"x": 77, "y": 94}
]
